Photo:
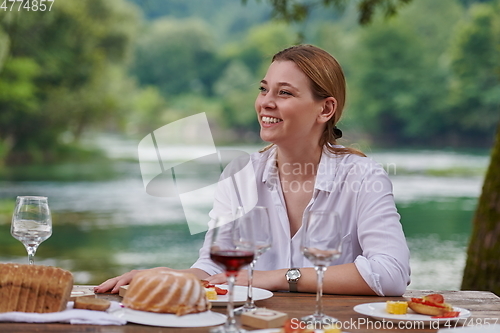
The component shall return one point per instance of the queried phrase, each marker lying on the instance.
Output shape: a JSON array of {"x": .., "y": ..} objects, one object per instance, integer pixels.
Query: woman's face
[{"x": 288, "y": 113}]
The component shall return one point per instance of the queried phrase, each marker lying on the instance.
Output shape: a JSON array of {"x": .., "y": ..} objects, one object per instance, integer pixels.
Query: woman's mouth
[{"x": 270, "y": 120}]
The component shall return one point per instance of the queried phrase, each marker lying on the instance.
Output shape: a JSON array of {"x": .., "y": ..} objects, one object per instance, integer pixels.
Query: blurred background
[{"x": 83, "y": 83}]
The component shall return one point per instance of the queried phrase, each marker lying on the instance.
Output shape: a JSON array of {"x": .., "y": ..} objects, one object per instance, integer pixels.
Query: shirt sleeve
[{"x": 384, "y": 263}]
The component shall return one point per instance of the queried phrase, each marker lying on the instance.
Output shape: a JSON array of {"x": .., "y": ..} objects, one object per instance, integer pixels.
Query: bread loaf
[
  {"x": 166, "y": 291},
  {"x": 34, "y": 288}
]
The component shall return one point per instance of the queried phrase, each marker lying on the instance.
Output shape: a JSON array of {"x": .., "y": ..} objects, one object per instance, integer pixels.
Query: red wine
[{"x": 232, "y": 260}]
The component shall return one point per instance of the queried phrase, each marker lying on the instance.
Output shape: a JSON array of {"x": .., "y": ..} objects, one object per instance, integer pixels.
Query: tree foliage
[
  {"x": 413, "y": 79},
  {"x": 296, "y": 10},
  {"x": 178, "y": 56},
  {"x": 482, "y": 38},
  {"x": 62, "y": 73},
  {"x": 475, "y": 85}
]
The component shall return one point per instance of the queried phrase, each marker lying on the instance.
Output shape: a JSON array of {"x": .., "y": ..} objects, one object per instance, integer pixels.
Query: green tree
[
  {"x": 482, "y": 268},
  {"x": 148, "y": 109},
  {"x": 236, "y": 88},
  {"x": 63, "y": 72},
  {"x": 475, "y": 86},
  {"x": 392, "y": 80},
  {"x": 178, "y": 56},
  {"x": 294, "y": 10}
]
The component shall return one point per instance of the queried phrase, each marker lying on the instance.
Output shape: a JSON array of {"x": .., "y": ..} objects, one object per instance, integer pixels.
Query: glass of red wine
[
  {"x": 232, "y": 250},
  {"x": 321, "y": 244}
]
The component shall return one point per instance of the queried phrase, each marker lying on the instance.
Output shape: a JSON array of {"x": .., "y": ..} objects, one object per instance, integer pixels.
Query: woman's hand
[{"x": 115, "y": 283}]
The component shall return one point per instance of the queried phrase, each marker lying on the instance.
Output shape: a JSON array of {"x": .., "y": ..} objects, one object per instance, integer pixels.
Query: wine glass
[
  {"x": 257, "y": 222},
  {"x": 31, "y": 223},
  {"x": 231, "y": 249},
  {"x": 321, "y": 244}
]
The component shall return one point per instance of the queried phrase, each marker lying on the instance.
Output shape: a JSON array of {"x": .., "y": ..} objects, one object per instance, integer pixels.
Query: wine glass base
[
  {"x": 227, "y": 329},
  {"x": 244, "y": 308},
  {"x": 319, "y": 320}
]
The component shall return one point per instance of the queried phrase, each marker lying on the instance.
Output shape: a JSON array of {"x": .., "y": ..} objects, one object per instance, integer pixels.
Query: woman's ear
[{"x": 329, "y": 107}]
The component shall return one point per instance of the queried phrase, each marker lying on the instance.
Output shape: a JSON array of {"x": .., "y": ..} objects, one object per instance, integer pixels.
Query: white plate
[
  {"x": 202, "y": 319},
  {"x": 377, "y": 311},
  {"x": 240, "y": 295}
]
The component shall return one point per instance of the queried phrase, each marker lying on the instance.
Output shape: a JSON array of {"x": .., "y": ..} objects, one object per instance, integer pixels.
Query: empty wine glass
[
  {"x": 232, "y": 250},
  {"x": 321, "y": 244},
  {"x": 257, "y": 222},
  {"x": 31, "y": 223}
]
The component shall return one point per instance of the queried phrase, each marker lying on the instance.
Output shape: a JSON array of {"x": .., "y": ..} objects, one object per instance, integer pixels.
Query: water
[
  {"x": 31, "y": 232},
  {"x": 106, "y": 227}
]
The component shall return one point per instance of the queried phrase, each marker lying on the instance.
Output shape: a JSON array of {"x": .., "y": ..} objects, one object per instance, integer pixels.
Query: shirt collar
[
  {"x": 270, "y": 169},
  {"x": 325, "y": 177}
]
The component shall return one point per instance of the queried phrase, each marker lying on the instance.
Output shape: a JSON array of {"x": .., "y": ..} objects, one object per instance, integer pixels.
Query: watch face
[{"x": 293, "y": 274}]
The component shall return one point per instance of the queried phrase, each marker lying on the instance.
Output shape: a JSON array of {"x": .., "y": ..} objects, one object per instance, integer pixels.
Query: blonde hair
[{"x": 327, "y": 79}]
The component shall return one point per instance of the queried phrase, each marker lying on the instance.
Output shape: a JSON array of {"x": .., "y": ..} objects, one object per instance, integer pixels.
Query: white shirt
[{"x": 356, "y": 187}]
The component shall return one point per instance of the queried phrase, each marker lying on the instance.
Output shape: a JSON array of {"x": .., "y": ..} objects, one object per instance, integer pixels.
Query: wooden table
[{"x": 484, "y": 306}]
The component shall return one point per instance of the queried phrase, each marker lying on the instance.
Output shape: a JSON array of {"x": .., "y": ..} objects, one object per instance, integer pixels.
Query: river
[{"x": 106, "y": 226}]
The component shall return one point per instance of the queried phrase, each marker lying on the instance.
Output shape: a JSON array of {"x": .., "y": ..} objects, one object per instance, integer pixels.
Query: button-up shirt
[{"x": 356, "y": 187}]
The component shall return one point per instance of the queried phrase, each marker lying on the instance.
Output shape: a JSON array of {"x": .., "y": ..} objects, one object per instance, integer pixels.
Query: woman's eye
[
  {"x": 262, "y": 89},
  {"x": 284, "y": 92}
]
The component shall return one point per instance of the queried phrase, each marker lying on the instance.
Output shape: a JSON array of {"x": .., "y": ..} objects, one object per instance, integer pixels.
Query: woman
[{"x": 301, "y": 99}]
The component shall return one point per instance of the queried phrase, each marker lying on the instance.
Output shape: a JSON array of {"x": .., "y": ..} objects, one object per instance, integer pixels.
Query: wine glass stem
[
  {"x": 250, "y": 303},
  {"x": 231, "y": 322},
  {"x": 320, "y": 270},
  {"x": 31, "y": 253}
]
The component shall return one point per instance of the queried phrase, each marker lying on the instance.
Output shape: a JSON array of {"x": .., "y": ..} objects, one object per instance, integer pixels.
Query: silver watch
[{"x": 293, "y": 276}]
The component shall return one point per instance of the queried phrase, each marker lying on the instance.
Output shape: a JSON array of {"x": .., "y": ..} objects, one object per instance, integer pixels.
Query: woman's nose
[{"x": 267, "y": 101}]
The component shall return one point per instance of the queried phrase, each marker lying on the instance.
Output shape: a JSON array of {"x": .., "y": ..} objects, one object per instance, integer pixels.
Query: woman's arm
[{"x": 339, "y": 279}]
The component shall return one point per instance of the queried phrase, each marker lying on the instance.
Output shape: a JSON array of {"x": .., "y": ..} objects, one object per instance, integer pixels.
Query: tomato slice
[
  {"x": 434, "y": 298},
  {"x": 426, "y": 302},
  {"x": 220, "y": 291}
]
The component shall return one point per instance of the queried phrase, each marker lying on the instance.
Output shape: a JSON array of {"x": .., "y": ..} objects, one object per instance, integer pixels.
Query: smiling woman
[{"x": 301, "y": 99}]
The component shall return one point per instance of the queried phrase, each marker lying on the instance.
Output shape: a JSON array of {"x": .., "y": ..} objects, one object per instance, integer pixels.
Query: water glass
[
  {"x": 31, "y": 223},
  {"x": 257, "y": 222},
  {"x": 321, "y": 244}
]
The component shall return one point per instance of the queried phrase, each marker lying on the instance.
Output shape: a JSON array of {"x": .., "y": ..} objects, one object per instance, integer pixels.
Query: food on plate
[
  {"x": 218, "y": 290},
  {"x": 97, "y": 304},
  {"x": 396, "y": 307},
  {"x": 211, "y": 293},
  {"x": 433, "y": 305},
  {"x": 34, "y": 288},
  {"x": 166, "y": 291}
]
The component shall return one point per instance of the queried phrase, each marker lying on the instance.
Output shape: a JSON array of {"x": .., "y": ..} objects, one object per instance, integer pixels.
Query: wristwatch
[{"x": 293, "y": 276}]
